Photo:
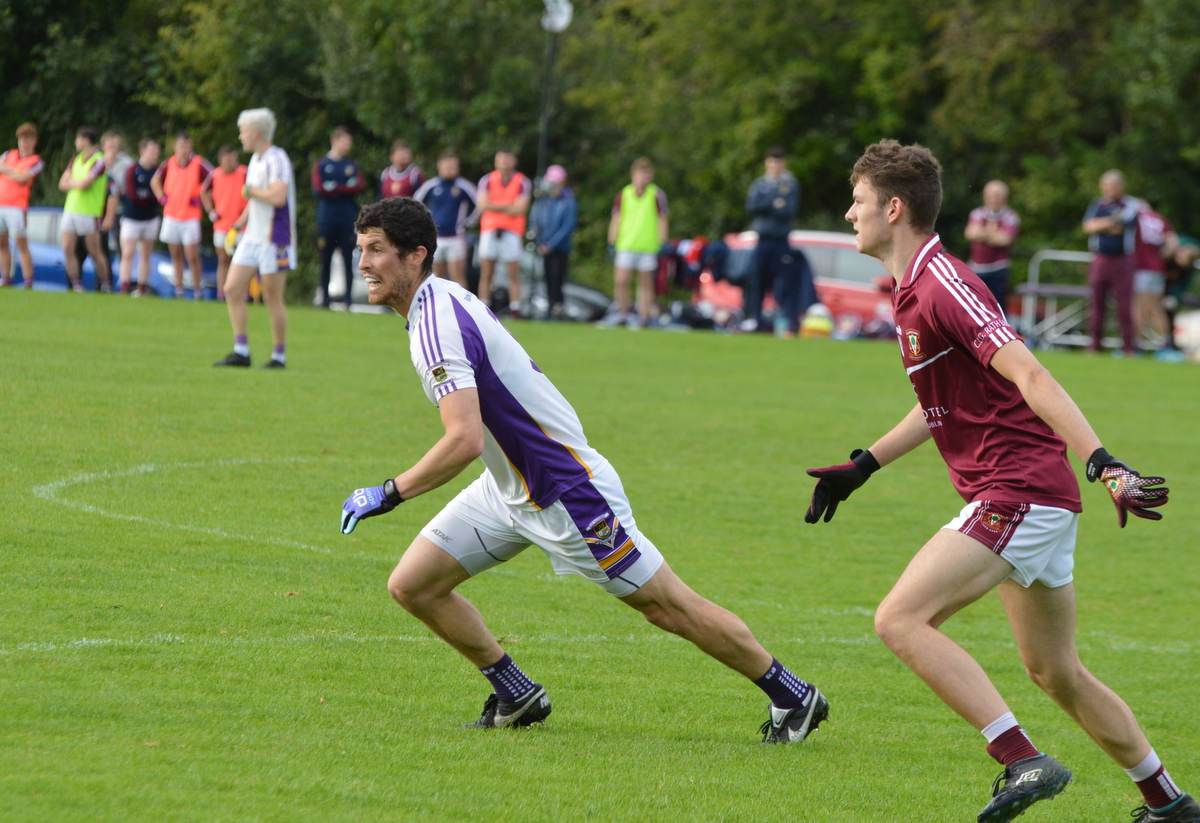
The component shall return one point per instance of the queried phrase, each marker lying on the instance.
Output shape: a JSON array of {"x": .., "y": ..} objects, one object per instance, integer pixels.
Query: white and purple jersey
[
  {"x": 267, "y": 224},
  {"x": 534, "y": 445}
]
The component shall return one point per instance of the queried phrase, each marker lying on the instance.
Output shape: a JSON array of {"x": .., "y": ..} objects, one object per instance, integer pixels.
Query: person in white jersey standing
[
  {"x": 542, "y": 484},
  {"x": 268, "y": 238}
]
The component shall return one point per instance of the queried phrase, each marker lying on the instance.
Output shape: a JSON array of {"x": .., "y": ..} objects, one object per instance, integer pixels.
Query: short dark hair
[
  {"x": 340, "y": 131},
  {"x": 399, "y": 144},
  {"x": 225, "y": 149},
  {"x": 146, "y": 141},
  {"x": 27, "y": 130},
  {"x": 447, "y": 154},
  {"x": 406, "y": 223},
  {"x": 777, "y": 153},
  {"x": 910, "y": 173},
  {"x": 88, "y": 133},
  {"x": 182, "y": 135}
]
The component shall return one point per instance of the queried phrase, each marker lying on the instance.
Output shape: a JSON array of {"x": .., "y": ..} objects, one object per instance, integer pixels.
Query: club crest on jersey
[
  {"x": 991, "y": 520},
  {"x": 439, "y": 374},
  {"x": 601, "y": 528},
  {"x": 913, "y": 340}
]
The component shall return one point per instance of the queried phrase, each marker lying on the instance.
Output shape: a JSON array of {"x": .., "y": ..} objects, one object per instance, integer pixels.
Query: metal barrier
[{"x": 1058, "y": 327}]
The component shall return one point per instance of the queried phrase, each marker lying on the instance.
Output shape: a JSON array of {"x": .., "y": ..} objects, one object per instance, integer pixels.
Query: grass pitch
[{"x": 188, "y": 637}]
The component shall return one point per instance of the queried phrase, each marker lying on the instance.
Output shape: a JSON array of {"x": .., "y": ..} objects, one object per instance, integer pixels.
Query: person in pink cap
[{"x": 553, "y": 223}]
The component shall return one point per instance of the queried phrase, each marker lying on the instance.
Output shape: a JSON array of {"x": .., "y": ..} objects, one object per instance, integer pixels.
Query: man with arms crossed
[
  {"x": 504, "y": 198},
  {"x": 140, "y": 221},
  {"x": 19, "y": 168},
  {"x": 451, "y": 200},
  {"x": 1002, "y": 424},
  {"x": 992, "y": 229},
  {"x": 178, "y": 185},
  {"x": 267, "y": 244},
  {"x": 86, "y": 186},
  {"x": 543, "y": 484},
  {"x": 223, "y": 200}
]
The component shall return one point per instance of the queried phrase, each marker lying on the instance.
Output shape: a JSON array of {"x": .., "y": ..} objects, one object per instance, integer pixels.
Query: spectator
[
  {"x": 268, "y": 245},
  {"x": 553, "y": 222},
  {"x": 177, "y": 185},
  {"x": 19, "y": 168},
  {"x": 1111, "y": 225},
  {"x": 773, "y": 200},
  {"x": 637, "y": 231},
  {"x": 402, "y": 178},
  {"x": 223, "y": 200},
  {"x": 451, "y": 200},
  {"x": 1156, "y": 241},
  {"x": 504, "y": 199},
  {"x": 336, "y": 180},
  {"x": 992, "y": 230},
  {"x": 116, "y": 164},
  {"x": 86, "y": 186},
  {"x": 140, "y": 220},
  {"x": 1180, "y": 269}
]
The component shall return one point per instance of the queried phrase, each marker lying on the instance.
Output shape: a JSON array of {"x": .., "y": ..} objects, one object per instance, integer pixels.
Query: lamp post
[{"x": 555, "y": 21}]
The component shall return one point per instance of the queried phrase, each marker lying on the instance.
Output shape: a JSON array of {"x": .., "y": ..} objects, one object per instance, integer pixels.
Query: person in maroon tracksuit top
[{"x": 1003, "y": 426}]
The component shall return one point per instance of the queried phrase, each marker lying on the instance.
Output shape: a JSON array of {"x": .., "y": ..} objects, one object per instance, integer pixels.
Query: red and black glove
[
  {"x": 835, "y": 483},
  {"x": 1129, "y": 490}
]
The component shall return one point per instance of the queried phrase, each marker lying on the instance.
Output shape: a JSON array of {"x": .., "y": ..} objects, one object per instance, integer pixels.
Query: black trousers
[
  {"x": 555, "y": 265},
  {"x": 785, "y": 270},
  {"x": 332, "y": 237}
]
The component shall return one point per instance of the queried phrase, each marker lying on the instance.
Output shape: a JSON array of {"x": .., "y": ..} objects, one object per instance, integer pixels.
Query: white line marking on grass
[{"x": 51, "y": 492}]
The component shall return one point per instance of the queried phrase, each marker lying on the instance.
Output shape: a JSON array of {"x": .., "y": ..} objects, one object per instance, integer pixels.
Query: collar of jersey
[
  {"x": 921, "y": 260},
  {"x": 418, "y": 303}
]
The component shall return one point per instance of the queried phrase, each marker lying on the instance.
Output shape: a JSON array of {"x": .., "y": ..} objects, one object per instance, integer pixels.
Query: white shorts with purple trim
[
  {"x": 589, "y": 531},
  {"x": 1038, "y": 541},
  {"x": 266, "y": 257}
]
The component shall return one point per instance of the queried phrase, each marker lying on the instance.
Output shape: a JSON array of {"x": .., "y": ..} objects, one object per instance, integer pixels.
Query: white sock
[
  {"x": 242, "y": 348},
  {"x": 999, "y": 726}
]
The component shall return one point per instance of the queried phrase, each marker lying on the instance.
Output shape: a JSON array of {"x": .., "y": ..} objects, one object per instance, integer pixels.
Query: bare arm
[
  {"x": 64, "y": 182},
  {"x": 1047, "y": 399},
  {"x": 457, "y": 448},
  {"x": 483, "y": 202},
  {"x": 613, "y": 226},
  {"x": 156, "y": 186},
  {"x": 240, "y": 223},
  {"x": 206, "y": 199},
  {"x": 909, "y": 433},
  {"x": 110, "y": 213},
  {"x": 520, "y": 206},
  {"x": 1103, "y": 225},
  {"x": 664, "y": 228}
]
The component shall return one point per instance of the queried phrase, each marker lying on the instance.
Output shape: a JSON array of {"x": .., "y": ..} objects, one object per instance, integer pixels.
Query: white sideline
[{"x": 50, "y": 492}]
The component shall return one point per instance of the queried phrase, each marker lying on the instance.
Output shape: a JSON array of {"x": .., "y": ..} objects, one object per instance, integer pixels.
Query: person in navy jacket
[{"x": 336, "y": 180}]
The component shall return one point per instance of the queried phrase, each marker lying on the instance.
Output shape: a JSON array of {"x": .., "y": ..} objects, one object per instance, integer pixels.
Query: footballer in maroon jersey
[{"x": 1003, "y": 425}]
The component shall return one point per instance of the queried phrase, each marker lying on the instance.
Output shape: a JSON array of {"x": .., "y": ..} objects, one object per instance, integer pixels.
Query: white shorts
[
  {"x": 219, "y": 240},
  {"x": 1149, "y": 282},
  {"x": 637, "y": 260},
  {"x": 450, "y": 249},
  {"x": 589, "y": 531},
  {"x": 80, "y": 224},
  {"x": 12, "y": 221},
  {"x": 1038, "y": 541},
  {"x": 139, "y": 229},
  {"x": 506, "y": 248},
  {"x": 180, "y": 232},
  {"x": 266, "y": 257}
]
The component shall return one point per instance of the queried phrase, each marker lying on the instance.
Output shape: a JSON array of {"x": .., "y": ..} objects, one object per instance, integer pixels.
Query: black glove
[
  {"x": 1129, "y": 490},
  {"x": 835, "y": 483}
]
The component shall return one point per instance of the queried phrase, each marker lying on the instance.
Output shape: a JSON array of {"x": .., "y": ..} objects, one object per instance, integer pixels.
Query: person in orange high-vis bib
[
  {"x": 178, "y": 185},
  {"x": 19, "y": 167},
  {"x": 224, "y": 202},
  {"x": 504, "y": 198}
]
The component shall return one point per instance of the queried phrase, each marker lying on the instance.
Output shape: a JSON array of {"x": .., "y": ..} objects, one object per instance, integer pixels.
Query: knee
[
  {"x": 664, "y": 617},
  {"x": 892, "y": 626},
  {"x": 405, "y": 592},
  {"x": 1058, "y": 680}
]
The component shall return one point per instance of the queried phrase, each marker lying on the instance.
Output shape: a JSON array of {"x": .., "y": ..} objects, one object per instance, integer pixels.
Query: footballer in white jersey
[{"x": 543, "y": 484}]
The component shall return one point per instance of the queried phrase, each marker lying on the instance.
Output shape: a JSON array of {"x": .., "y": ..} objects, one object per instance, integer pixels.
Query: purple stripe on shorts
[{"x": 600, "y": 528}]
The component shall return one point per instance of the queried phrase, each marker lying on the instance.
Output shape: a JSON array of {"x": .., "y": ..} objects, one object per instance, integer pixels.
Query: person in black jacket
[{"x": 772, "y": 201}]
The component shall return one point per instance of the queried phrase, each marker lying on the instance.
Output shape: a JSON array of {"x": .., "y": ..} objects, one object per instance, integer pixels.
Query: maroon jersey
[
  {"x": 986, "y": 258},
  {"x": 996, "y": 448},
  {"x": 1152, "y": 231}
]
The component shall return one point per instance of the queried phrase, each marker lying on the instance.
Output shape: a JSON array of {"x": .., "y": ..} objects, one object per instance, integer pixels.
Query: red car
[{"x": 846, "y": 281}]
